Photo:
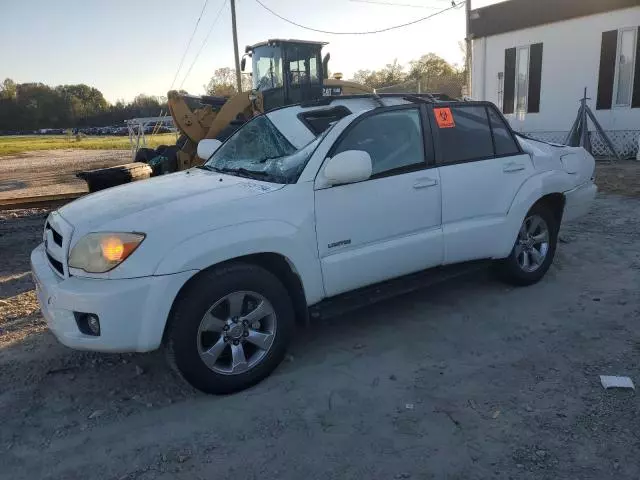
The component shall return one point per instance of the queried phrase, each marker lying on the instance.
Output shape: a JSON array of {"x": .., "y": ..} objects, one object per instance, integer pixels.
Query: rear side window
[
  {"x": 504, "y": 142},
  {"x": 467, "y": 136}
]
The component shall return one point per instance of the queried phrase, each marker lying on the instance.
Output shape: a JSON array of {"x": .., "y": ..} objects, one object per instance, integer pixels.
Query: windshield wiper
[
  {"x": 243, "y": 172},
  {"x": 208, "y": 167}
]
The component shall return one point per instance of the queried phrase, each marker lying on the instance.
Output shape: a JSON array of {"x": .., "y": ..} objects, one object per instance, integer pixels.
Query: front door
[{"x": 389, "y": 225}]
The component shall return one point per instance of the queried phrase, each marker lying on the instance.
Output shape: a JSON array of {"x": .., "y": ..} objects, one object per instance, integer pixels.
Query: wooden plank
[{"x": 39, "y": 201}]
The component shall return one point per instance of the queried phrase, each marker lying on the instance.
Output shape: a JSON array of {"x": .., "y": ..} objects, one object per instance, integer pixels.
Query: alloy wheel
[
  {"x": 236, "y": 333},
  {"x": 532, "y": 246}
]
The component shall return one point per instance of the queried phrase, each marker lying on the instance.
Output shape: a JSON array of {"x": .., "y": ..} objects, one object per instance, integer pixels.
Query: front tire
[
  {"x": 230, "y": 329},
  {"x": 534, "y": 249}
]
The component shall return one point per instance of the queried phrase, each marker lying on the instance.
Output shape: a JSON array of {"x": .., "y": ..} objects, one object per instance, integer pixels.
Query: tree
[
  {"x": 223, "y": 83},
  {"x": 8, "y": 89},
  {"x": 391, "y": 74},
  {"x": 430, "y": 66}
]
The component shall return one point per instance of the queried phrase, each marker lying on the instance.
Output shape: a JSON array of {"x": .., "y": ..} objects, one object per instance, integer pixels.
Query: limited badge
[{"x": 444, "y": 117}]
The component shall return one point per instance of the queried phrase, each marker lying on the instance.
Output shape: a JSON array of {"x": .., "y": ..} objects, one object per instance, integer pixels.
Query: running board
[{"x": 362, "y": 297}]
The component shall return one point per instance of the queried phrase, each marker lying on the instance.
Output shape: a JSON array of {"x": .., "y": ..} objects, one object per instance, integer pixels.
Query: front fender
[
  {"x": 532, "y": 190},
  {"x": 268, "y": 236}
]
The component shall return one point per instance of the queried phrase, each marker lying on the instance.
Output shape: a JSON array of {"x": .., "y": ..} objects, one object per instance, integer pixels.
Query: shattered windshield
[{"x": 259, "y": 150}]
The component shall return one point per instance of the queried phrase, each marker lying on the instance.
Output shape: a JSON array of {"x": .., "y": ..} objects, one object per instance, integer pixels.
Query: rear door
[{"x": 482, "y": 167}]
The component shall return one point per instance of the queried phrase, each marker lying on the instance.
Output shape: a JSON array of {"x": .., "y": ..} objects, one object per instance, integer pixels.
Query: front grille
[
  {"x": 56, "y": 236},
  {"x": 57, "y": 233},
  {"x": 56, "y": 264}
]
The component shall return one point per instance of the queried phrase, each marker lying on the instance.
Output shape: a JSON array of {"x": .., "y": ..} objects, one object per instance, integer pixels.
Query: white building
[{"x": 534, "y": 58}]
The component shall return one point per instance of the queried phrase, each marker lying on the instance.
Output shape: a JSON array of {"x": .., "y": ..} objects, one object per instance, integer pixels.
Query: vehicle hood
[{"x": 118, "y": 202}]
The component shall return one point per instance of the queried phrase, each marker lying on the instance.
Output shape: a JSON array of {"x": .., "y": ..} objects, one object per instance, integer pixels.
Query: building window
[
  {"x": 625, "y": 63},
  {"x": 522, "y": 80}
]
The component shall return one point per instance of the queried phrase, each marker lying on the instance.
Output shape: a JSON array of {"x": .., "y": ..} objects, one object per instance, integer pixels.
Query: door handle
[
  {"x": 425, "y": 183},
  {"x": 513, "y": 167}
]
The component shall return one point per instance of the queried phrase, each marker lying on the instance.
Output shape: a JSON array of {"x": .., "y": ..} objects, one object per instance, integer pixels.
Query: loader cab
[{"x": 287, "y": 71}]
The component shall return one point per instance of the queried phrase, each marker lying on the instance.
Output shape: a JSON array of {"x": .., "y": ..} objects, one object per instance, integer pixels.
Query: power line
[
  {"x": 224, "y": 4},
  {"x": 189, "y": 43},
  {"x": 390, "y": 4},
  {"x": 359, "y": 33}
]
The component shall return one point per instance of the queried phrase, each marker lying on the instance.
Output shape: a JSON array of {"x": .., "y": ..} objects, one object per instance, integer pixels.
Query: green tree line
[{"x": 31, "y": 106}]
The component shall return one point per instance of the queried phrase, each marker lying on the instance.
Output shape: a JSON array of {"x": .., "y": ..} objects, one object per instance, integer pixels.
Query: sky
[{"x": 127, "y": 47}]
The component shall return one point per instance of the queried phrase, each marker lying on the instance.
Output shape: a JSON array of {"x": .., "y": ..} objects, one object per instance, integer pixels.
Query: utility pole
[
  {"x": 468, "y": 64},
  {"x": 235, "y": 45}
]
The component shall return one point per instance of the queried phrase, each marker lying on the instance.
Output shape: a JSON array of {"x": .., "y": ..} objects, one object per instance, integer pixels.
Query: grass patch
[{"x": 11, "y": 145}]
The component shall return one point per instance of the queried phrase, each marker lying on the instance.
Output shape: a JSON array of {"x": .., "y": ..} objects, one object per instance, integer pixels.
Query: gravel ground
[
  {"x": 49, "y": 172},
  {"x": 466, "y": 380}
]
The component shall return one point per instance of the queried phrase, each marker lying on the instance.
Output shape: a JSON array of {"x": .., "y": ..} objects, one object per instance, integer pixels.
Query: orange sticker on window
[{"x": 444, "y": 117}]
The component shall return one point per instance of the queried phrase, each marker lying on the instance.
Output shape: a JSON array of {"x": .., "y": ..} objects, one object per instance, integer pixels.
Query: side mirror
[
  {"x": 243, "y": 63},
  {"x": 208, "y": 147},
  {"x": 348, "y": 167}
]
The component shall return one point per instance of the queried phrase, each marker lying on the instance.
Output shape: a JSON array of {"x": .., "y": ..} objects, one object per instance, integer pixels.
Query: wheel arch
[
  {"x": 555, "y": 202},
  {"x": 275, "y": 263},
  {"x": 548, "y": 188}
]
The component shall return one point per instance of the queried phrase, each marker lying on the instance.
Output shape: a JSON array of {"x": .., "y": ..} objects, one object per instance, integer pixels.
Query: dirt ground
[
  {"x": 49, "y": 172},
  {"x": 466, "y": 380},
  {"x": 621, "y": 177}
]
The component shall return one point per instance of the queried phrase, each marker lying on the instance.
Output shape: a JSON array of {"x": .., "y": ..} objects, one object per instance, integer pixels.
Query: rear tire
[
  {"x": 230, "y": 329},
  {"x": 534, "y": 249}
]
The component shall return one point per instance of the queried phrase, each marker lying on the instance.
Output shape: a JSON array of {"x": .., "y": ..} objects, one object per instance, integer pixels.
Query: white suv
[{"x": 300, "y": 206}]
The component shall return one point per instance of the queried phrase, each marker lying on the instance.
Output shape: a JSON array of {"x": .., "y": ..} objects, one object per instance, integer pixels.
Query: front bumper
[
  {"x": 578, "y": 201},
  {"x": 132, "y": 312}
]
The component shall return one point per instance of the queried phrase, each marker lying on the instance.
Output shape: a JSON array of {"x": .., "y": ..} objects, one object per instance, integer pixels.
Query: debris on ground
[
  {"x": 612, "y": 381},
  {"x": 183, "y": 457}
]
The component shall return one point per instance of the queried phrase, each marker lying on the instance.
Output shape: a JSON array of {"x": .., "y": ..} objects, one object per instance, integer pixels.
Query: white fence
[{"x": 625, "y": 141}]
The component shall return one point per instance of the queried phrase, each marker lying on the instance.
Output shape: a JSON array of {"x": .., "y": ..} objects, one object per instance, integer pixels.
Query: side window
[
  {"x": 303, "y": 66},
  {"x": 393, "y": 139},
  {"x": 467, "y": 137},
  {"x": 503, "y": 140}
]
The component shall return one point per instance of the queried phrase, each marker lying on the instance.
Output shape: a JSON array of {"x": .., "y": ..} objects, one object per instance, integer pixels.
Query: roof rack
[{"x": 415, "y": 97}]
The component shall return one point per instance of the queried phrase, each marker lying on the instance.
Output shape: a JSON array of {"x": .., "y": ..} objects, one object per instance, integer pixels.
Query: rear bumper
[
  {"x": 578, "y": 201},
  {"x": 132, "y": 312}
]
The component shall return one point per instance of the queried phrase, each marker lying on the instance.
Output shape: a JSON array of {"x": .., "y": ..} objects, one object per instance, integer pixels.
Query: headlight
[{"x": 101, "y": 252}]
